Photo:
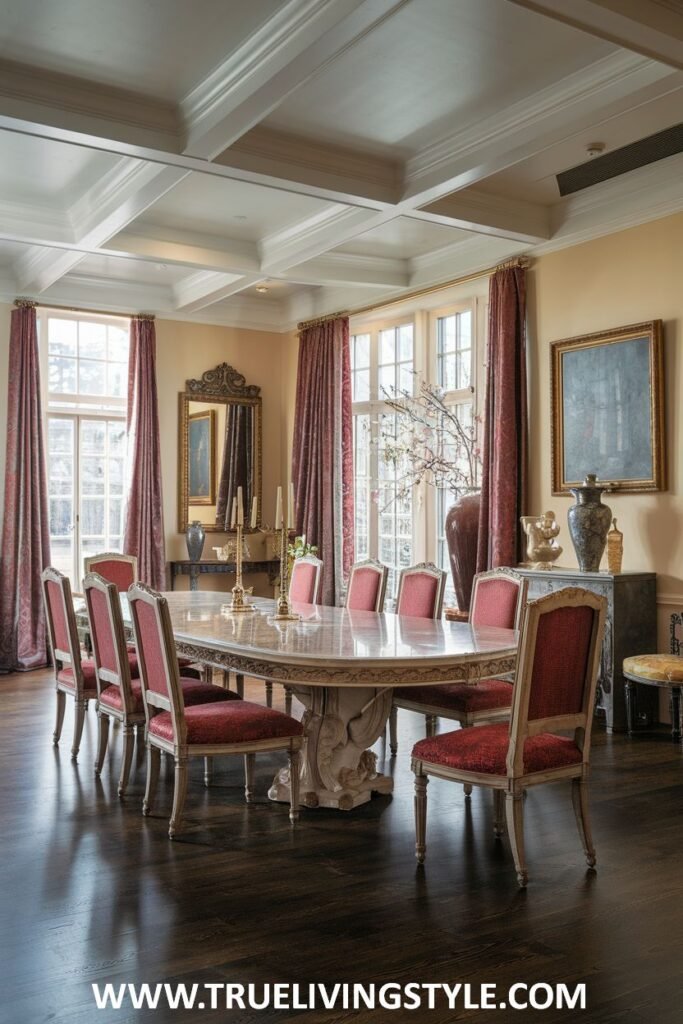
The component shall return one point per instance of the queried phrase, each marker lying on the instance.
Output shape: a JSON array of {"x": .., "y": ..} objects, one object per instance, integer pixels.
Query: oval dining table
[{"x": 343, "y": 666}]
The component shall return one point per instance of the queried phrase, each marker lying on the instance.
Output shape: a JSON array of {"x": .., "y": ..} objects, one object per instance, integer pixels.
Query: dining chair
[
  {"x": 203, "y": 730},
  {"x": 119, "y": 693},
  {"x": 115, "y": 567},
  {"x": 304, "y": 587},
  {"x": 420, "y": 594},
  {"x": 498, "y": 599},
  {"x": 367, "y": 586},
  {"x": 554, "y": 693},
  {"x": 74, "y": 676}
]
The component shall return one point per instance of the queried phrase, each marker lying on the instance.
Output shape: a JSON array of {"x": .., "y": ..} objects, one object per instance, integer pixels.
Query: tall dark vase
[
  {"x": 194, "y": 538},
  {"x": 589, "y": 523},
  {"x": 462, "y": 532}
]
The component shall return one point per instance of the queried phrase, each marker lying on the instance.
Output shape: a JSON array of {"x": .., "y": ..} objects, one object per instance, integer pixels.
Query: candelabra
[
  {"x": 284, "y": 613},
  {"x": 238, "y": 603}
]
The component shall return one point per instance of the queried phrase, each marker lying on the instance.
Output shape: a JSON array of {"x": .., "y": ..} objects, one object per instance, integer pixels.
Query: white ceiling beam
[
  {"x": 489, "y": 214},
  {"x": 203, "y": 288},
  {"x": 347, "y": 268},
  {"x": 188, "y": 248},
  {"x": 649, "y": 27},
  {"x": 286, "y": 249}
]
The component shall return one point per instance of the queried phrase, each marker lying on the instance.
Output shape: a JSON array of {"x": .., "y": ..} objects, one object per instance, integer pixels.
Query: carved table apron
[{"x": 342, "y": 665}]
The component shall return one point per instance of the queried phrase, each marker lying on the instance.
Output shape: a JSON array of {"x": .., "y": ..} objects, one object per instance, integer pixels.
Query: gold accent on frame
[{"x": 650, "y": 331}]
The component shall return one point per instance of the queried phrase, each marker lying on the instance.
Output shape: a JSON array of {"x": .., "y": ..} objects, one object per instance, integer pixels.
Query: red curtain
[
  {"x": 144, "y": 529},
  {"x": 322, "y": 456},
  {"x": 504, "y": 449},
  {"x": 25, "y": 534}
]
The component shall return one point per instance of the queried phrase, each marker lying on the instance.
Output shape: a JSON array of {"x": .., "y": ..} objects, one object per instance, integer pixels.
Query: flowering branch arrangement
[{"x": 428, "y": 441}]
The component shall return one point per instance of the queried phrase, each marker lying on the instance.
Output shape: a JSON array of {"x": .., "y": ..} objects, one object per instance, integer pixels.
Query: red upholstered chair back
[
  {"x": 420, "y": 591},
  {"x": 157, "y": 659},
  {"x": 498, "y": 599},
  {"x": 304, "y": 584},
  {"x": 115, "y": 568},
  {"x": 108, "y": 635},
  {"x": 367, "y": 587},
  {"x": 557, "y": 669},
  {"x": 61, "y": 622}
]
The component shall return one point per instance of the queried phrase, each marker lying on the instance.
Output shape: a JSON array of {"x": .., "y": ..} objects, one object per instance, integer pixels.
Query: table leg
[
  {"x": 630, "y": 695},
  {"x": 676, "y": 714},
  {"x": 194, "y": 579},
  {"x": 337, "y": 769}
]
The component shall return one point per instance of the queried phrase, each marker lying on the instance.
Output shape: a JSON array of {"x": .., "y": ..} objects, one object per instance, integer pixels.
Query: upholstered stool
[{"x": 663, "y": 670}]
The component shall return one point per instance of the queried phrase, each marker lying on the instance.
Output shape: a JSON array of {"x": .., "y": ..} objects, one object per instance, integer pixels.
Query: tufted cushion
[
  {"x": 495, "y": 603},
  {"x": 487, "y": 695},
  {"x": 66, "y": 675},
  {"x": 194, "y": 692},
  {"x": 660, "y": 668},
  {"x": 364, "y": 590},
  {"x": 417, "y": 596},
  {"x": 484, "y": 749},
  {"x": 239, "y": 721}
]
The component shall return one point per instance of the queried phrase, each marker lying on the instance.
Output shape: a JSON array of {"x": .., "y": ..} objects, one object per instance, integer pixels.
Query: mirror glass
[{"x": 220, "y": 449}]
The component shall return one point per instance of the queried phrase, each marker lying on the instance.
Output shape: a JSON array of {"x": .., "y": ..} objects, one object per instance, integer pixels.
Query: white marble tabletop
[{"x": 334, "y": 646}]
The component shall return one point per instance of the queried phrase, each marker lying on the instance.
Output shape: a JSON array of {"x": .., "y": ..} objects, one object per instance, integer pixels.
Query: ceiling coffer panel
[{"x": 638, "y": 154}]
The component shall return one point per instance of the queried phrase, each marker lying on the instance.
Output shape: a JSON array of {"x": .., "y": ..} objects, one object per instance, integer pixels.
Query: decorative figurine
[{"x": 542, "y": 547}]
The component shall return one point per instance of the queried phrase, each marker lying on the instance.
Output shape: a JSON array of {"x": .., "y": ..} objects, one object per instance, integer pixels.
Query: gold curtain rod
[
  {"x": 518, "y": 261},
  {"x": 80, "y": 309}
]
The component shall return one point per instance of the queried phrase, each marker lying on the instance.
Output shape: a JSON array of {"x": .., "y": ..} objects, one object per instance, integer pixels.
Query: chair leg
[
  {"x": 208, "y": 771},
  {"x": 430, "y": 725},
  {"x": 498, "y": 812},
  {"x": 421, "y": 816},
  {"x": 59, "y": 721},
  {"x": 393, "y": 731},
  {"x": 126, "y": 757},
  {"x": 269, "y": 695},
  {"x": 179, "y": 794},
  {"x": 249, "y": 764},
  {"x": 153, "y": 765},
  {"x": 293, "y": 757},
  {"x": 81, "y": 708},
  {"x": 580, "y": 801},
  {"x": 102, "y": 740},
  {"x": 239, "y": 684},
  {"x": 514, "y": 813}
]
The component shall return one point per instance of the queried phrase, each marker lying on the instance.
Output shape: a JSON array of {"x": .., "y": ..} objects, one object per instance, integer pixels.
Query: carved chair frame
[
  {"x": 318, "y": 566},
  {"x": 381, "y": 570},
  {"x": 91, "y": 562}
]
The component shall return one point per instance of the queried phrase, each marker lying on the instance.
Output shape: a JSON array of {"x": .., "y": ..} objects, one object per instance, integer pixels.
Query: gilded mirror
[{"x": 219, "y": 448}]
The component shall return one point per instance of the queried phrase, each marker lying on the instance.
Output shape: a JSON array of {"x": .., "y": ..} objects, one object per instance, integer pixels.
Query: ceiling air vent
[{"x": 619, "y": 161}]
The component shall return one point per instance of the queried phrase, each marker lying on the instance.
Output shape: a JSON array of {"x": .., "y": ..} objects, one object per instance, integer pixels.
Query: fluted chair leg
[
  {"x": 59, "y": 721},
  {"x": 249, "y": 765},
  {"x": 498, "y": 812},
  {"x": 421, "y": 817},
  {"x": 514, "y": 812},
  {"x": 127, "y": 758},
  {"x": 179, "y": 794},
  {"x": 153, "y": 765},
  {"x": 102, "y": 739},
  {"x": 80, "y": 710},
  {"x": 580, "y": 801},
  {"x": 294, "y": 762}
]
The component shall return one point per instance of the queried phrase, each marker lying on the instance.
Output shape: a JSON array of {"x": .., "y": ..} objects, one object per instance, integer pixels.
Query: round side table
[{"x": 662, "y": 670}]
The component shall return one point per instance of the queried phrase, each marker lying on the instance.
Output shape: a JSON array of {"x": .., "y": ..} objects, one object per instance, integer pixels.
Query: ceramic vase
[
  {"x": 462, "y": 535},
  {"x": 589, "y": 521},
  {"x": 194, "y": 538}
]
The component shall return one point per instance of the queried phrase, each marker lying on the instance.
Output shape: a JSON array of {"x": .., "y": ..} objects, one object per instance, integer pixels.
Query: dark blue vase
[{"x": 194, "y": 538}]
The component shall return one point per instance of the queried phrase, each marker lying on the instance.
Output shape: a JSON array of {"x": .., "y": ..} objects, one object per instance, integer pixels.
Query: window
[
  {"x": 381, "y": 361},
  {"x": 85, "y": 401},
  {"x": 400, "y": 527}
]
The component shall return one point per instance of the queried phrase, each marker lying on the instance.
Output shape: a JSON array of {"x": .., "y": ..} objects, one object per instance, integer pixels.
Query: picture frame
[
  {"x": 202, "y": 458},
  {"x": 608, "y": 409}
]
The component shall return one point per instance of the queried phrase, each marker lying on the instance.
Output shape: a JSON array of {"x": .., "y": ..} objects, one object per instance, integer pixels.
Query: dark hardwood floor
[{"x": 92, "y": 891}]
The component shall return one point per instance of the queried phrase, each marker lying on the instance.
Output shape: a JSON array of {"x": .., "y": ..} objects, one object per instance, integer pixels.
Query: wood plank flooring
[{"x": 92, "y": 891}]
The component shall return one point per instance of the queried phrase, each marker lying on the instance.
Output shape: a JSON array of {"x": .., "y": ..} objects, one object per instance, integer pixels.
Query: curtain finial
[
  {"x": 144, "y": 316},
  {"x": 24, "y": 303}
]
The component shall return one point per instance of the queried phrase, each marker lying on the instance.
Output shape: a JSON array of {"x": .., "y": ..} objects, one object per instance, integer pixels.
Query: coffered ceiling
[{"x": 175, "y": 157}]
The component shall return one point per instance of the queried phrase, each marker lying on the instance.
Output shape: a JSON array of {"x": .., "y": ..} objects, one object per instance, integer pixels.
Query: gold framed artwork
[
  {"x": 608, "y": 409},
  {"x": 201, "y": 458}
]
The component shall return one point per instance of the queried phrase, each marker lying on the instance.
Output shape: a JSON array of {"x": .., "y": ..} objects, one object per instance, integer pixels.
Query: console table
[
  {"x": 631, "y": 628},
  {"x": 194, "y": 570}
]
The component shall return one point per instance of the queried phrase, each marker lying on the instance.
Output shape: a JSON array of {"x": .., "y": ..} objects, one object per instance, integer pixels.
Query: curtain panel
[
  {"x": 237, "y": 468},
  {"x": 322, "y": 455},
  {"x": 25, "y": 534},
  {"x": 144, "y": 526},
  {"x": 504, "y": 448}
]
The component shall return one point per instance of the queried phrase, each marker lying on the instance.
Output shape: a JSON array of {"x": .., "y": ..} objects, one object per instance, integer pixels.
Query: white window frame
[{"x": 77, "y": 408}]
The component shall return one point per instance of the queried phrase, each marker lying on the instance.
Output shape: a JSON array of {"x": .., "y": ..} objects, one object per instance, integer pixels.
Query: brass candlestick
[
  {"x": 238, "y": 603},
  {"x": 284, "y": 613}
]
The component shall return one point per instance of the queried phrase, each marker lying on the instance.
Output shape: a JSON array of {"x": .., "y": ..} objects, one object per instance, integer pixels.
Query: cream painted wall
[{"x": 625, "y": 278}]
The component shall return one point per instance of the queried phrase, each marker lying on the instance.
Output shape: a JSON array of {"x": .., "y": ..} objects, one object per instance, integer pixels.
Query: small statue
[
  {"x": 615, "y": 549},
  {"x": 542, "y": 547}
]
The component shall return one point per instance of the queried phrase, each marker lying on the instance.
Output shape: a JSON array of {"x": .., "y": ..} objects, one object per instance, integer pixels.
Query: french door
[{"x": 85, "y": 469}]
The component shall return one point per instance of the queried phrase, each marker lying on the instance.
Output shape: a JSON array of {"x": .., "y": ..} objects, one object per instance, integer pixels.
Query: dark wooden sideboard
[
  {"x": 194, "y": 570},
  {"x": 631, "y": 629}
]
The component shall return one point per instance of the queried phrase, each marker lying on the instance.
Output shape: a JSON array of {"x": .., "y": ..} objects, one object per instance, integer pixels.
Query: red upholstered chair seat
[
  {"x": 484, "y": 749},
  {"x": 240, "y": 721},
  {"x": 487, "y": 695},
  {"x": 194, "y": 692}
]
